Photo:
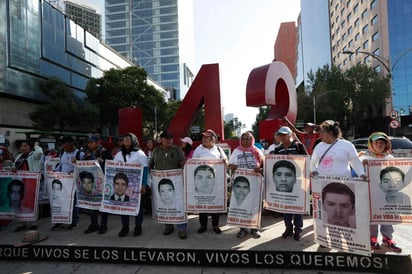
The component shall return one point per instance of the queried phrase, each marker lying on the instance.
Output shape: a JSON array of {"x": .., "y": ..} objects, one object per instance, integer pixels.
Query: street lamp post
[{"x": 314, "y": 102}]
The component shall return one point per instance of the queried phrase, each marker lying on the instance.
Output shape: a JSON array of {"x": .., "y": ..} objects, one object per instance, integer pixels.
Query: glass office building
[
  {"x": 156, "y": 35},
  {"x": 38, "y": 41}
]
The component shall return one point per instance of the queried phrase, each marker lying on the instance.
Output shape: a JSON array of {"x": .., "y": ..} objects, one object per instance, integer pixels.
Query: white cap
[
  {"x": 284, "y": 130},
  {"x": 187, "y": 140}
]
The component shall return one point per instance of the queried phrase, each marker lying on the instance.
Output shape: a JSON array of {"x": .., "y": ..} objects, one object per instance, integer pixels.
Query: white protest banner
[
  {"x": 89, "y": 179},
  {"x": 49, "y": 165},
  {"x": 122, "y": 185},
  {"x": 246, "y": 199},
  {"x": 62, "y": 191},
  {"x": 287, "y": 183},
  {"x": 19, "y": 194},
  {"x": 390, "y": 190},
  {"x": 168, "y": 203},
  {"x": 340, "y": 210},
  {"x": 205, "y": 185}
]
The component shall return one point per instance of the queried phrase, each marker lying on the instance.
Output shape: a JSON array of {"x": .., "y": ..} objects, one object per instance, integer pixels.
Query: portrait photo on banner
[
  {"x": 62, "y": 190},
  {"x": 49, "y": 165},
  {"x": 340, "y": 207},
  {"x": 390, "y": 190},
  {"x": 168, "y": 202},
  {"x": 287, "y": 183},
  {"x": 89, "y": 179},
  {"x": 245, "y": 205},
  {"x": 122, "y": 185},
  {"x": 205, "y": 185},
  {"x": 19, "y": 195}
]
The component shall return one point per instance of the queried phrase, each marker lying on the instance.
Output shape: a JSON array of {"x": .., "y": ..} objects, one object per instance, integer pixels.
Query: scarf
[{"x": 254, "y": 150}]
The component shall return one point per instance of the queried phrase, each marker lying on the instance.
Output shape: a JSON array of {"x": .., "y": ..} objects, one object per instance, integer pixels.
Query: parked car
[{"x": 401, "y": 146}]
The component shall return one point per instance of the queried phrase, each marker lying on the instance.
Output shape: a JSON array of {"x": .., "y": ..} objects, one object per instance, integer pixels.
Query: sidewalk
[{"x": 146, "y": 253}]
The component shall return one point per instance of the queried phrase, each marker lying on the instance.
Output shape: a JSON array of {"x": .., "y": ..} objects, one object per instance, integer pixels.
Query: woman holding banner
[
  {"x": 379, "y": 147},
  {"x": 246, "y": 155},
  {"x": 130, "y": 152}
]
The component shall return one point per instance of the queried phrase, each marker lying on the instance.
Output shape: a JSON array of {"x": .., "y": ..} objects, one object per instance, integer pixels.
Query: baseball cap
[
  {"x": 378, "y": 136},
  {"x": 166, "y": 135},
  {"x": 187, "y": 140},
  {"x": 209, "y": 133},
  {"x": 93, "y": 138},
  {"x": 284, "y": 130},
  {"x": 310, "y": 124}
]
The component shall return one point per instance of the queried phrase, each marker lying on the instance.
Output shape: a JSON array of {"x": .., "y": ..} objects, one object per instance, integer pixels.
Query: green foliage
[
  {"x": 64, "y": 108},
  {"x": 120, "y": 88}
]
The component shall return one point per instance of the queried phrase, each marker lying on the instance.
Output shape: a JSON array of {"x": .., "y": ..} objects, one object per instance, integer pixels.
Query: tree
[
  {"x": 64, "y": 108},
  {"x": 120, "y": 88}
]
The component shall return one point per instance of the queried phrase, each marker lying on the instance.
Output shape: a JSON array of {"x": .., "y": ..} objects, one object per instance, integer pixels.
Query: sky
[{"x": 239, "y": 35}]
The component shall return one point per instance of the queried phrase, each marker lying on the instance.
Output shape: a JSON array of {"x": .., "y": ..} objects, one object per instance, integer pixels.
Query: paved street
[{"x": 152, "y": 238}]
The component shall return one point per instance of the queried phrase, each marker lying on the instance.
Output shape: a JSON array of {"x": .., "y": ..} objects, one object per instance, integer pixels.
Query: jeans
[
  {"x": 93, "y": 217},
  {"x": 138, "y": 218},
  {"x": 203, "y": 219},
  {"x": 297, "y": 221},
  {"x": 386, "y": 231}
]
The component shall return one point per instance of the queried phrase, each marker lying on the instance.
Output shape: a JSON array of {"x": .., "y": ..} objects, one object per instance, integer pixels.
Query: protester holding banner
[
  {"x": 209, "y": 150},
  {"x": 284, "y": 176},
  {"x": 334, "y": 156},
  {"x": 95, "y": 151},
  {"x": 130, "y": 152},
  {"x": 30, "y": 159},
  {"x": 247, "y": 156},
  {"x": 379, "y": 147},
  {"x": 168, "y": 156},
  {"x": 69, "y": 157}
]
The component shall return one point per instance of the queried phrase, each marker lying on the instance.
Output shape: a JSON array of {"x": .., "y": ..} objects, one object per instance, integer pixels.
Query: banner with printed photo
[
  {"x": 246, "y": 199},
  {"x": 168, "y": 202},
  {"x": 340, "y": 207},
  {"x": 49, "y": 165},
  {"x": 122, "y": 185},
  {"x": 89, "y": 179},
  {"x": 19, "y": 194},
  {"x": 62, "y": 191},
  {"x": 205, "y": 185},
  {"x": 287, "y": 183},
  {"x": 390, "y": 190}
]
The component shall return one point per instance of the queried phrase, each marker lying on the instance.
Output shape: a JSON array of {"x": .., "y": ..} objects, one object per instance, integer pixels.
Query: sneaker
[
  {"x": 91, "y": 228},
  {"x": 137, "y": 231},
  {"x": 73, "y": 226},
  {"x": 20, "y": 228},
  {"x": 102, "y": 230},
  {"x": 124, "y": 231},
  {"x": 287, "y": 233},
  {"x": 392, "y": 245},
  {"x": 374, "y": 243},
  {"x": 182, "y": 235},
  {"x": 201, "y": 230},
  {"x": 56, "y": 227},
  {"x": 217, "y": 230},
  {"x": 168, "y": 230},
  {"x": 297, "y": 236},
  {"x": 242, "y": 233},
  {"x": 255, "y": 233}
]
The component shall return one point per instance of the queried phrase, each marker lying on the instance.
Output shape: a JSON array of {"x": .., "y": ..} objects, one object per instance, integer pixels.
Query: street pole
[{"x": 314, "y": 109}]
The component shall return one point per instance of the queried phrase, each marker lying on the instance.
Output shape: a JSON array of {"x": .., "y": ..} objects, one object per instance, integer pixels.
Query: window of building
[
  {"x": 336, "y": 7},
  {"x": 342, "y": 11},
  {"x": 350, "y": 44},
  {"x": 357, "y": 36},
  {"x": 345, "y": 61},
  {"x": 337, "y": 19},
  {"x": 374, "y": 20},
  {"x": 351, "y": 56},
  {"x": 356, "y": 8},
  {"x": 337, "y": 30},
  {"x": 338, "y": 42},
  {"x": 375, "y": 37},
  {"x": 373, "y": 4},
  {"x": 366, "y": 44},
  {"x": 365, "y": 29},
  {"x": 367, "y": 59},
  {"x": 350, "y": 30},
  {"x": 356, "y": 24},
  {"x": 343, "y": 24},
  {"x": 348, "y": 3},
  {"x": 357, "y": 50},
  {"x": 344, "y": 37},
  {"x": 376, "y": 51},
  {"x": 364, "y": 13},
  {"x": 349, "y": 16}
]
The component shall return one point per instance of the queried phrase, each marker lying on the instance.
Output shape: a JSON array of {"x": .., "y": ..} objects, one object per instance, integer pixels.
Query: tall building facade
[
  {"x": 313, "y": 49},
  {"x": 84, "y": 16},
  {"x": 378, "y": 33},
  {"x": 156, "y": 35},
  {"x": 285, "y": 46},
  {"x": 37, "y": 41}
]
